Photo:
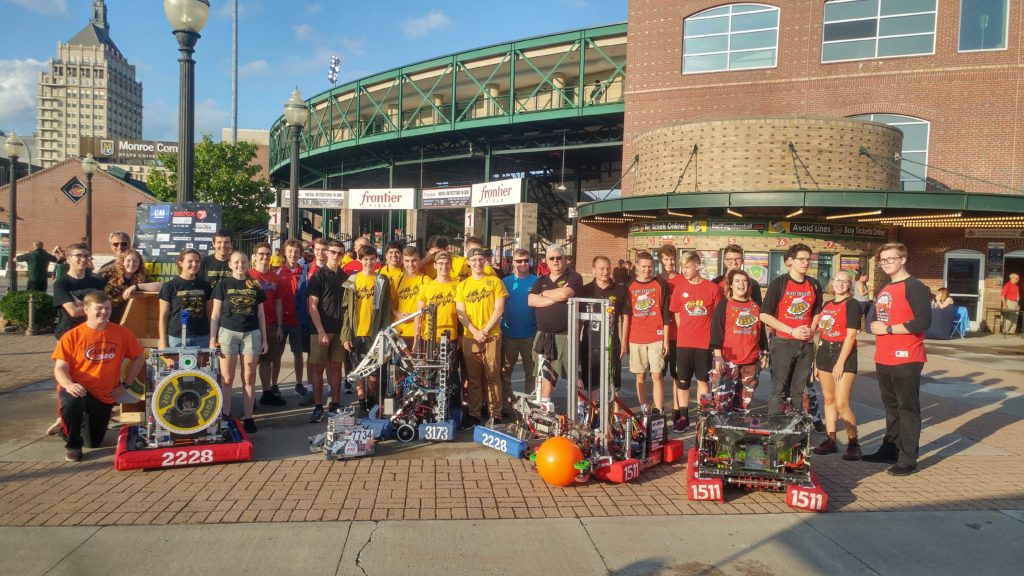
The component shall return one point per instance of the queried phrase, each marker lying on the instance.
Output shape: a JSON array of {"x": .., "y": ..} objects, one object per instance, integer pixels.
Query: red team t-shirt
[
  {"x": 695, "y": 303},
  {"x": 836, "y": 318},
  {"x": 287, "y": 284},
  {"x": 269, "y": 281},
  {"x": 792, "y": 303},
  {"x": 649, "y": 308},
  {"x": 900, "y": 303},
  {"x": 737, "y": 331}
]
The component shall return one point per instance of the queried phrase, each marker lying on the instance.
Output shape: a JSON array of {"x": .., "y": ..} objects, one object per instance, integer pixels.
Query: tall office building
[{"x": 89, "y": 91}]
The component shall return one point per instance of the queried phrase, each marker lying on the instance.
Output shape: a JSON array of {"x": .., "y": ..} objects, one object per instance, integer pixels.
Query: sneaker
[
  {"x": 901, "y": 470},
  {"x": 827, "y": 446},
  {"x": 333, "y": 408},
  {"x": 469, "y": 422},
  {"x": 852, "y": 451},
  {"x": 54, "y": 428},
  {"x": 317, "y": 415},
  {"x": 74, "y": 455},
  {"x": 249, "y": 425},
  {"x": 681, "y": 424},
  {"x": 300, "y": 390},
  {"x": 272, "y": 397},
  {"x": 886, "y": 454},
  {"x": 306, "y": 400}
]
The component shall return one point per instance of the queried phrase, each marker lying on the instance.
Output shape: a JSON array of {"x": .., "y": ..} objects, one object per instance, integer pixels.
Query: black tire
[{"x": 405, "y": 432}]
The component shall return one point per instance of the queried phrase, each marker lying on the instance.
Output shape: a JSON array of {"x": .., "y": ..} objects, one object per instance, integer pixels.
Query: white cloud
[
  {"x": 45, "y": 7},
  {"x": 314, "y": 9},
  {"x": 302, "y": 31},
  {"x": 243, "y": 9},
  {"x": 19, "y": 86},
  {"x": 254, "y": 68},
  {"x": 433, "y": 20},
  {"x": 210, "y": 118}
]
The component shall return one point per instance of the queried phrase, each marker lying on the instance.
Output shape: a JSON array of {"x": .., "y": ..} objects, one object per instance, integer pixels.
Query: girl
[
  {"x": 836, "y": 362},
  {"x": 186, "y": 291},
  {"x": 943, "y": 300},
  {"x": 124, "y": 279},
  {"x": 239, "y": 328},
  {"x": 738, "y": 337}
]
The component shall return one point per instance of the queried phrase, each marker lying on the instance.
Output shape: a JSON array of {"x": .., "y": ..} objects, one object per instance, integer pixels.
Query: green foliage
[
  {"x": 14, "y": 307},
  {"x": 225, "y": 174}
]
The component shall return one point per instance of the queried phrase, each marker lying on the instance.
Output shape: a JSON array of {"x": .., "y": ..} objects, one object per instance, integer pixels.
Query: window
[
  {"x": 733, "y": 37},
  {"x": 860, "y": 29},
  {"x": 913, "y": 172},
  {"x": 983, "y": 24}
]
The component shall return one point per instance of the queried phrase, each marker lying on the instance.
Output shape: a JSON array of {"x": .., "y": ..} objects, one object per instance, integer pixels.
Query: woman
[
  {"x": 737, "y": 336},
  {"x": 943, "y": 299},
  {"x": 239, "y": 328},
  {"x": 185, "y": 292},
  {"x": 862, "y": 293},
  {"x": 836, "y": 362},
  {"x": 125, "y": 279}
]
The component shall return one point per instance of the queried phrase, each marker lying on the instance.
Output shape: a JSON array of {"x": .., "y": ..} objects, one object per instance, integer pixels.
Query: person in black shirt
[
  {"x": 325, "y": 294},
  {"x": 732, "y": 256},
  {"x": 239, "y": 328},
  {"x": 186, "y": 291},
  {"x": 603, "y": 287},
  {"x": 549, "y": 296},
  {"x": 69, "y": 290},
  {"x": 38, "y": 261},
  {"x": 215, "y": 266}
]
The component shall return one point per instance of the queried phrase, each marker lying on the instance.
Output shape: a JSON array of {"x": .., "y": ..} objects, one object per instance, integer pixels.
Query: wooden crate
[{"x": 142, "y": 317}]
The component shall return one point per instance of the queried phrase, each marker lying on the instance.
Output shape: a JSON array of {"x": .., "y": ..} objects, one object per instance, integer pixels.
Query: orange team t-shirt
[{"x": 95, "y": 356}]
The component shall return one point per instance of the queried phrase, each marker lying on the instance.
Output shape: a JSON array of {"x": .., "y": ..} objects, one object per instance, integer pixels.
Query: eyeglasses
[
  {"x": 336, "y": 252},
  {"x": 554, "y": 258},
  {"x": 802, "y": 259},
  {"x": 890, "y": 260},
  {"x": 119, "y": 244},
  {"x": 263, "y": 253},
  {"x": 522, "y": 261},
  {"x": 80, "y": 256}
]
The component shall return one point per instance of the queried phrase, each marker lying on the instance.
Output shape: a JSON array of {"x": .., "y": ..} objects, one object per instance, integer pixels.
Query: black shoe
[
  {"x": 819, "y": 426},
  {"x": 348, "y": 388},
  {"x": 901, "y": 469},
  {"x": 300, "y": 390},
  {"x": 74, "y": 455},
  {"x": 272, "y": 397},
  {"x": 317, "y": 415},
  {"x": 249, "y": 425},
  {"x": 469, "y": 422},
  {"x": 333, "y": 408},
  {"x": 886, "y": 454}
]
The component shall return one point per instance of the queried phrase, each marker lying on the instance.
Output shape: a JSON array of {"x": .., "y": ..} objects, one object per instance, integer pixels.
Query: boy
[
  {"x": 367, "y": 310},
  {"x": 480, "y": 302}
]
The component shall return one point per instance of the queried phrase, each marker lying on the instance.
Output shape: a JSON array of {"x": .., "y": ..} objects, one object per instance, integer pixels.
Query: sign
[
  {"x": 993, "y": 233},
  {"x": 851, "y": 263},
  {"x": 275, "y": 217},
  {"x": 689, "y": 226},
  {"x": 382, "y": 199},
  {"x": 498, "y": 193},
  {"x": 756, "y": 265},
  {"x": 162, "y": 231},
  {"x": 333, "y": 199},
  {"x": 708, "y": 263},
  {"x": 73, "y": 189},
  {"x": 125, "y": 151},
  {"x": 994, "y": 259},
  {"x": 455, "y": 197},
  {"x": 733, "y": 225},
  {"x": 826, "y": 229}
]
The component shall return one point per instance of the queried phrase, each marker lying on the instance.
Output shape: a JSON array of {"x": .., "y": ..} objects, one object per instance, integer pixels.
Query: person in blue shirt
[{"x": 518, "y": 327}]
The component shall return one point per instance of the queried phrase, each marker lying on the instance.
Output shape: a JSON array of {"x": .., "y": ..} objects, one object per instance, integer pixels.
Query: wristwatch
[{"x": 888, "y": 329}]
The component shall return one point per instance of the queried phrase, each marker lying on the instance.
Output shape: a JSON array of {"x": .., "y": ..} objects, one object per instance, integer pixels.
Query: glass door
[{"x": 963, "y": 277}]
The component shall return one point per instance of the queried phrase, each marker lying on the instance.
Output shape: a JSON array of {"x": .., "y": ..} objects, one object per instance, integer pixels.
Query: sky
[{"x": 283, "y": 44}]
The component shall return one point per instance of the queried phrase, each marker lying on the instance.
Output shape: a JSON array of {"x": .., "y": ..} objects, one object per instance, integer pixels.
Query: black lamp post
[
  {"x": 89, "y": 167},
  {"x": 295, "y": 115},
  {"x": 14, "y": 148},
  {"x": 187, "y": 18}
]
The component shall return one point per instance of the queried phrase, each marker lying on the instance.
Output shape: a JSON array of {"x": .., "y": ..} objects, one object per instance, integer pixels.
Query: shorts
[
  {"x": 692, "y": 362},
  {"x": 646, "y": 357},
  {"x": 827, "y": 354},
  {"x": 559, "y": 364},
  {"x": 272, "y": 344},
  {"x": 233, "y": 343},
  {"x": 591, "y": 366},
  {"x": 199, "y": 341},
  {"x": 360, "y": 348},
  {"x": 671, "y": 366},
  {"x": 333, "y": 353}
]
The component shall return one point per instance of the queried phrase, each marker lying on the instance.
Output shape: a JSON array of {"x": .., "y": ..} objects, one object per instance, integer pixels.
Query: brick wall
[{"x": 599, "y": 240}]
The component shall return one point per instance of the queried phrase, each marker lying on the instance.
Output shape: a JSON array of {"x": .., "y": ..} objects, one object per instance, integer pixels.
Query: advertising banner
[
  {"x": 382, "y": 199},
  {"x": 756, "y": 265},
  {"x": 498, "y": 193},
  {"x": 456, "y": 197},
  {"x": 333, "y": 199},
  {"x": 162, "y": 231},
  {"x": 994, "y": 259}
]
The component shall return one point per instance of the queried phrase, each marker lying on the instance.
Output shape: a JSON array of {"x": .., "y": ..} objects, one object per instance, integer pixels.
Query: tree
[{"x": 225, "y": 174}]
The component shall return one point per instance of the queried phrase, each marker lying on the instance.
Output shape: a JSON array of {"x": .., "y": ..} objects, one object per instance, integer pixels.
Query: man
[
  {"x": 87, "y": 368},
  {"x": 549, "y": 298},
  {"x": 214, "y": 267},
  {"x": 792, "y": 307},
  {"x": 441, "y": 293},
  {"x": 693, "y": 301},
  {"x": 325, "y": 294},
  {"x": 289, "y": 276},
  {"x": 902, "y": 314},
  {"x": 667, "y": 257},
  {"x": 479, "y": 303},
  {"x": 603, "y": 287},
  {"x": 732, "y": 255},
  {"x": 69, "y": 290},
  {"x": 462, "y": 269},
  {"x": 620, "y": 275},
  {"x": 38, "y": 261},
  {"x": 355, "y": 265},
  {"x": 405, "y": 293},
  {"x": 120, "y": 242},
  {"x": 648, "y": 330},
  {"x": 366, "y": 311},
  {"x": 393, "y": 267},
  {"x": 1009, "y": 300},
  {"x": 518, "y": 328},
  {"x": 270, "y": 363}
]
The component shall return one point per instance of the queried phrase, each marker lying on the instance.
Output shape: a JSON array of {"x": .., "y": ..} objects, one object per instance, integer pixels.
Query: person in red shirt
[
  {"x": 792, "y": 306},
  {"x": 1010, "y": 297},
  {"x": 648, "y": 331},
  {"x": 738, "y": 337},
  {"x": 836, "y": 362},
  {"x": 667, "y": 257},
  {"x": 693, "y": 300},
  {"x": 902, "y": 314},
  {"x": 270, "y": 362},
  {"x": 292, "y": 332}
]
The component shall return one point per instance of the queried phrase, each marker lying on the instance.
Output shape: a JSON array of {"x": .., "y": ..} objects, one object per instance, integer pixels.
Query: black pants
[
  {"x": 39, "y": 286},
  {"x": 900, "y": 387},
  {"x": 791, "y": 370},
  {"x": 72, "y": 415}
]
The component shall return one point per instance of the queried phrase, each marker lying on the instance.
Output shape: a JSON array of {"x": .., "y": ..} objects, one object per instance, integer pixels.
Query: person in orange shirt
[{"x": 87, "y": 368}]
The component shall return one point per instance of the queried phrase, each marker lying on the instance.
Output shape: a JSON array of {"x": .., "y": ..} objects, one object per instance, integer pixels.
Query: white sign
[
  {"x": 382, "y": 199},
  {"x": 457, "y": 197},
  {"x": 498, "y": 193},
  {"x": 315, "y": 198},
  {"x": 275, "y": 217},
  {"x": 993, "y": 233}
]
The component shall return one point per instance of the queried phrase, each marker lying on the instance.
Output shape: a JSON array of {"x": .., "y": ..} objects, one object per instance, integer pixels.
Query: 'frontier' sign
[
  {"x": 498, "y": 193},
  {"x": 382, "y": 199}
]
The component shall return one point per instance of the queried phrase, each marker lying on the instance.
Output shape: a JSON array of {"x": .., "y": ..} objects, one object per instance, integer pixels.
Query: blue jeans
[{"x": 192, "y": 342}]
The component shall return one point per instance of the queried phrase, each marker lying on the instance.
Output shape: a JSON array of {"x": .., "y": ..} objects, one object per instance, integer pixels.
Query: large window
[
  {"x": 983, "y": 24},
  {"x": 913, "y": 172},
  {"x": 861, "y": 29},
  {"x": 733, "y": 37}
]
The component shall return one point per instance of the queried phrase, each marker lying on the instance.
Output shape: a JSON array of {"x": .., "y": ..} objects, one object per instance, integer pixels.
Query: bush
[{"x": 14, "y": 307}]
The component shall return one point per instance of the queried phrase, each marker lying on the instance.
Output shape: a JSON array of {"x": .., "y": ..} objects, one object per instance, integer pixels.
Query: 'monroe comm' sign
[{"x": 125, "y": 151}]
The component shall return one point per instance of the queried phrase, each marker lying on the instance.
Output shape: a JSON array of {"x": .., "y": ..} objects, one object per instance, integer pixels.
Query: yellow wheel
[{"x": 187, "y": 402}]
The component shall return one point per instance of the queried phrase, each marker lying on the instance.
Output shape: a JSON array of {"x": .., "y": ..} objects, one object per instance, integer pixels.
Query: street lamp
[
  {"x": 14, "y": 148},
  {"x": 89, "y": 167},
  {"x": 187, "y": 18},
  {"x": 295, "y": 114}
]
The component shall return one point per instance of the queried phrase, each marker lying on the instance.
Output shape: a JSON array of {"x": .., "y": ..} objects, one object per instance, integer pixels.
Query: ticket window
[{"x": 963, "y": 276}]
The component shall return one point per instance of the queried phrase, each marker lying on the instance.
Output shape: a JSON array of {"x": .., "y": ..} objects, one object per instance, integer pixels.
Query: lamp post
[
  {"x": 14, "y": 148},
  {"x": 89, "y": 167},
  {"x": 295, "y": 114},
  {"x": 187, "y": 18}
]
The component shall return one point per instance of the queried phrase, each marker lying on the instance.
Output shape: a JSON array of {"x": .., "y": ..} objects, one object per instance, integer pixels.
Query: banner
[
  {"x": 456, "y": 197},
  {"x": 162, "y": 231},
  {"x": 382, "y": 199},
  {"x": 994, "y": 259},
  {"x": 756, "y": 265},
  {"x": 498, "y": 193},
  {"x": 334, "y": 199}
]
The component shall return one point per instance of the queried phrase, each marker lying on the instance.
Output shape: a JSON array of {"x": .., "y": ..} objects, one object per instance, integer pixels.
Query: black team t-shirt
[
  {"x": 327, "y": 285},
  {"x": 554, "y": 319},
  {"x": 241, "y": 301},
  {"x": 68, "y": 289},
  {"x": 213, "y": 270},
  {"x": 189, "y": 295}
]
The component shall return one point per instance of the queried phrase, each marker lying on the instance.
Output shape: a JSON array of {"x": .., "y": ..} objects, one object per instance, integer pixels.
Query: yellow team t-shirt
[
  {"x": 441, "y": 294},
  {"x": 405, "y": 293},
  {"x": 393, "y": 274},
  {"x": 365, "y": 289},
  {"x": 460, "y": 269},
  {"x": 479, "y": 297}
]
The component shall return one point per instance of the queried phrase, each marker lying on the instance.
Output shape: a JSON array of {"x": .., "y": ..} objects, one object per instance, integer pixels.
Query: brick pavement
[{"x": 25, "y": 360}]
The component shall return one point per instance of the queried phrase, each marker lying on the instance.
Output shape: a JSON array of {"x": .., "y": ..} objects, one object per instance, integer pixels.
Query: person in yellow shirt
[
  {"x": 441, "y": 293},
  {"x": 480, "y": 302},
  {"x": 405, "y": 294},
  {"x": 367, "y": 310},
  {"x": 460, "y": 268},
  {"x": 392, "y": 267}
]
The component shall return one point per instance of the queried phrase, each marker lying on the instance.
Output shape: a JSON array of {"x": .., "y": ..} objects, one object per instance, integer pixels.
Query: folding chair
[{"x": 962, "y": 323}]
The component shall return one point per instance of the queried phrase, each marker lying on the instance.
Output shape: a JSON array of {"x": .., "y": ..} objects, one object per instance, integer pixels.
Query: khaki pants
[
  {"x": 483, "y": 375},
  {"x": 1010, "y": 318},
  {"x": 511, "y": 350}
]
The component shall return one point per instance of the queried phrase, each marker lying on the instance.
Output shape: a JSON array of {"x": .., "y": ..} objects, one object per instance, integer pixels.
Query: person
[
  {"x": 269, "y": 366},
  {"x": 792, "y": 306},
  {"x": 738, "y": 337},
  {"x": 61, "y": 266},
  {"x": 392, "y": 267},
  {"x": 862, "y": 293},
  {"x": 603, "y": 287},
  {"x": 405, "y": 292},
  {"x": 354, "y": 265},
  {"x": 120, "y": 242},
  {"x": 943, "y": 299},
  {"x": 324, "y": 303},
  {"x": 185, "y": 292},
  {"x": 215, "y": 267},
  {"x": 1009, "y": 301},
  {"x": 732, "y": 256},
  {"x": 549, "y": 298},
  {"x": 38, "y": 262},
  {"x": 462, "y": 262},
  {"x": 293, "y": 316},
  {"x": 518, "y": 328},
  {"x": 630, "y": 270},
  {"x": 69, "y": 290},
  {"x": 693, "y": 300},
  {"x": 902, "y": 315},
  {"x": 480, "y": 303},
  {"x": 836, "y": 364},
  {"x": 277, "y": 258},
  {"x": 668, "y": 257},
  {"x": 238, "y": 327},
  {"x": 648, "y": 330},
  {"x": 125, "y": 279},
  {"x": 367, "y": 311},
  {"x": 620, "y": 275}
]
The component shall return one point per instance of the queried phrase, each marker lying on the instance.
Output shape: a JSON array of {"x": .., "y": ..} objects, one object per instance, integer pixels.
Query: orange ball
[{"x": 556, "y": 460}]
